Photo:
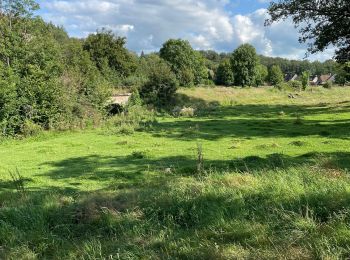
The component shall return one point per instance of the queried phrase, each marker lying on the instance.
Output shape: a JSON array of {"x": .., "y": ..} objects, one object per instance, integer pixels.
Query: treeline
[
  {"x": 290, "y": 67},
  {"x": 51, "y": 81}
]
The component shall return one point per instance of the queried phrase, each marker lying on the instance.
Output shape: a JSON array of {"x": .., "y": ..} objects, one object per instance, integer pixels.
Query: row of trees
[{"x": 214, "y": 59}]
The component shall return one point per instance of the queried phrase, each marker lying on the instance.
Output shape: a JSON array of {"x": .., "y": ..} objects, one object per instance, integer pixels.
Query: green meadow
[{"x": 255, "y": 174}]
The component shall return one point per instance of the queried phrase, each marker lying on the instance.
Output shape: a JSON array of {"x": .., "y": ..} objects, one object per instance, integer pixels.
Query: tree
[
  {"x": 187, "y": 64},
  {"x": 275, "y": 75},
  {"x": 343, "y": 73},
  {"x": 224, "y": 74},
  {"x": 14, "y": 18},
  {"x": 161, "y": 85},
  {"x": 244, "y": 63},
  {"x": 108, "y": 52},
  {"x": 305, "y": 79},
  {"x": 262, "y": 74},
  {"x": 323, "y": 22}
]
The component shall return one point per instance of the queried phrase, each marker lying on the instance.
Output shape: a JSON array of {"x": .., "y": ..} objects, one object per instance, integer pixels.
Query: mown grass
[{"x": 275, "y": 183}]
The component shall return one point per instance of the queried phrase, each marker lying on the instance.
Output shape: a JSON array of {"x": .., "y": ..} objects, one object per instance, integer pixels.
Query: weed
[
  {"x": 200, "y": 159},
  {"x": 18, "y": 182}
]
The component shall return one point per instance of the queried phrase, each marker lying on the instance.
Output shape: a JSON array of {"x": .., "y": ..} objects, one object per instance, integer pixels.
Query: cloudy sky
[{"x": 221, "y": 25}]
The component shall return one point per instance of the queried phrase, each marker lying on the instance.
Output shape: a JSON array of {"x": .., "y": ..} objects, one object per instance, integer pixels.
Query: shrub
[
  {"x": 283, "y": 86},
  {"x": 328, "y": 85},
  {"x": 184, "y": 112},
  {"x": 295, "y": 85},
  {"x": 262, "y": 74},
  {"x": 135, "y": 99},
  {"x": 305, "y": 79},
  {"x": 161, "y": 86},
  {"x": 135, "y": 118},
  {"x": 29, "y": 128}
]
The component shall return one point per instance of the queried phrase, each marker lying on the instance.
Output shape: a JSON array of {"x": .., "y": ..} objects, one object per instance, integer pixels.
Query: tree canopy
[
  {"x": 108, "y": 51},
  {"x": 186, "y": 63},
  {"x": 322, "y": 23},
  {"x": 244, "y": 62},
  {"x": 275, "y": 75}
]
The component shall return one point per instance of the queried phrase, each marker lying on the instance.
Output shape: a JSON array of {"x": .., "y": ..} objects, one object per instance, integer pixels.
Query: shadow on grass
[
  {"x": 214, "y": 121},
  {"x": 248, "y": 128},
  {"x": 160, "y": 217},
  {"x": 126, "y": 172}
]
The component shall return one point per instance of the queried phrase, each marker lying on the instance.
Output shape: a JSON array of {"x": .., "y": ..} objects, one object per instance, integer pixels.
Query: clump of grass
[
  {"x": 200, "y": 159},
  {"x": 134, "y": 119},
  {"x": 18, "y": 182},
  {"x": 138, "y": 154},
  {"x": 298, "y": 143},
  {"x": 184, "y": 112},
  {"x": 268, "y": 146}
]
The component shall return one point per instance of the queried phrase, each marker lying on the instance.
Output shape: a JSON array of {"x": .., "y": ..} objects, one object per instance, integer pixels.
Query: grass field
[{"x": 275, "y": 183}]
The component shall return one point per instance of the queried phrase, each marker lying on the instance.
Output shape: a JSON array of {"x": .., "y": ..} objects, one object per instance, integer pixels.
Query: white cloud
[
  {"x": 279, "y": 39},
  {"x": 149, "y": 23}
]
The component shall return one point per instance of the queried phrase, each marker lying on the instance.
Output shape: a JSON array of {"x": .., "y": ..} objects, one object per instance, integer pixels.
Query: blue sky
[{"x": 220, "y": 25}]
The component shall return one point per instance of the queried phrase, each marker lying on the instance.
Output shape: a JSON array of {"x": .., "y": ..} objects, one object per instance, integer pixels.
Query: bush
[
  {"x": 328, "y": 85},
  {"x": 305, "y": 78},
  {"x": 295, "y": 85},
  {"x": 161, "y": 86},
  {"x": 184, "y": 112},
  {"x": 29, "y": 128},
  {"x": 135, "y": 118},
  {"x": 283, "y": 86},
  {"x": 135, "y": 99}
]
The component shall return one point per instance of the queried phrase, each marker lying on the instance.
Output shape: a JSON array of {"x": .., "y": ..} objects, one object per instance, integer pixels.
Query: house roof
[
  {"x": 325, "y": 78},
  {"x": 291, "y": 77}
]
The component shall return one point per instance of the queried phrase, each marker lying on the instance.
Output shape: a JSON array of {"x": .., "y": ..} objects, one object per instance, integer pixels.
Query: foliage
[
  {"x": 275, "y": 75},
  {"x": 224, "y": 73},
  {"x": 47, "y": 80},
  {"x": 184, "y": 112},
  {"x": 324, "y": 22},
  {"x": 244, "y": 62},
  {"x": 161, "y": 86},
  {"x": 262, "y": 75},
  {"x": 187, "y": 64},
  {"x": 134, "y": 119},
  {"x": 305, "y": 79},
  {"x": 343, "y": 74},
  {"x": 283, "y": 86},
  {"x": 108, "y": 52},
  {"x": 295, "y": 85},
  {"x": 135, "y": 99},
  {"x": 328, "y": 85}
]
